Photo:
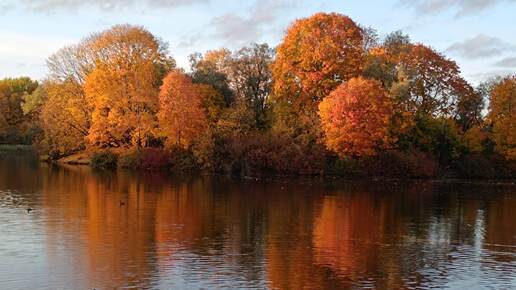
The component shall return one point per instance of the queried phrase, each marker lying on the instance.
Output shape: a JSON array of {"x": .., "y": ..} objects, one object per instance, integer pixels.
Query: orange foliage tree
[
  {"x": 502, "y": 113},
  {"x": 433, "y": 82},
  {"x": 123, "y": 86},
  {"x": 355, "y": 118},
  {"x": 181, "y": 116},
  {"x": 316, "y": 55}
]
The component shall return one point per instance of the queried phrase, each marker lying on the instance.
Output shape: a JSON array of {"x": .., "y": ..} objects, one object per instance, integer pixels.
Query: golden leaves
[{"x": 503, "y": 116}]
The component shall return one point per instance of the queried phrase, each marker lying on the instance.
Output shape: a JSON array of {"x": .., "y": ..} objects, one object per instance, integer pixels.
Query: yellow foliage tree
[
  {"x": 65, "y": 116},
  {"x": 502, "y": 113},
  {"x": 474, "y": 139}
]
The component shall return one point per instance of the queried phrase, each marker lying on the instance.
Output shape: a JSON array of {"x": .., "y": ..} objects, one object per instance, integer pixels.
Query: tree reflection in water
[{"x": 196, "y": 232}]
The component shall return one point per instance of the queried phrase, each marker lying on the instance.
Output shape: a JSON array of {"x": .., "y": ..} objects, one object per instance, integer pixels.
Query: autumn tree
[
  {"x": 73, "y": 62},
  {"x": 243, "y": 78},
  {"x": 316, "y": 55},
  {"x": 502, "y": 114},
  {"x": 123, "y": 87},
  {"x": 424, "y": 85},
  {"x": 13, "y": 123},
  {"x": 475, "y": 139},
  {"x": 250, "y": 78},
  {"x": 65, "y": 116},
  {"x": 212, "y": 69},
  {"x": 355, "y": 118},
  {"x": 420, "y": 79},
  {"x": 181, "y": 116},
  {"x": 470, "y": 104},
  {"x": 213, "y": 102},
  {"x": 60, "y": 103},
  {"x": 382, "y": 61},
  {"x": 433, "y": 82}
]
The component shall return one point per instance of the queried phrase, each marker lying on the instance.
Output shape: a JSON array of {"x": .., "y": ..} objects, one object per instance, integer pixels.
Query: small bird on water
[{"x": 29, "y": 209}]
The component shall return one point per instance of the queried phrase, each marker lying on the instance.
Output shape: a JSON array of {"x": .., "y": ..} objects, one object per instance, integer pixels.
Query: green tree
[{"x": 251, "y": 80}]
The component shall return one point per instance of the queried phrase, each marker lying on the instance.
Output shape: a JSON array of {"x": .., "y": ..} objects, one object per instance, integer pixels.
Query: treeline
[{"x": 332, "y": 98}]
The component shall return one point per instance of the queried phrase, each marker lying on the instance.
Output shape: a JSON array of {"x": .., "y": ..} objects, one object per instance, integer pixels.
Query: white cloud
[
  {"x": 462, "y": 7},
  {"x": 53, "y": 5},
  {"x": 480, "y": 46},
  {"x": 242, "y": 29},
  {"x": 508, "y": 62}
]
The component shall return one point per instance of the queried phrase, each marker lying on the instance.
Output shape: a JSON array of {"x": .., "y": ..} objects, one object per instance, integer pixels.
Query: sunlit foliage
[
  {"x": 502, "y": 114},
  {"x": 332, "y": 97},
  {"x": 65, "y": 116},
  {"x": 355, "y": 118},
  {"x": 122, "y": 89},
  {"x": 181, "y": 116},
  {"x": 14, "y": 125},
  {"x": 316, "y": 55}
]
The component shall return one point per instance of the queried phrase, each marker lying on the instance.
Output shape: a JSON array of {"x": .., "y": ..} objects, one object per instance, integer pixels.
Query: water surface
[{"x": 108, "y": 230}]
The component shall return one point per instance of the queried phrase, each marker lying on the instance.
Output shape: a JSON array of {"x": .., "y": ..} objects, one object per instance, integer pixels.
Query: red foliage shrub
[
  {"x": 420, "y": 164},
  {"x": 266, "y": 155},
  {"x": 148, "y": 158},
  {"x": 154, "y": 159}
]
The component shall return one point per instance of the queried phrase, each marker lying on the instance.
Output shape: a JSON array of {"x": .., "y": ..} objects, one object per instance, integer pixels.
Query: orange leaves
[
  {"x": 122, "y": 88},
  {"x": 316, "y": 55},
  {"x": 181, "y": 115},
  {"x": 434, "y": 81},
  {"x": 355, "y": 118},
  {"x": 503, "y": 116}
]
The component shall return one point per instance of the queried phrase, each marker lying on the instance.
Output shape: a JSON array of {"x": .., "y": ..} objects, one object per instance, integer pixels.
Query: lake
[{"x": 105, "y": 230}]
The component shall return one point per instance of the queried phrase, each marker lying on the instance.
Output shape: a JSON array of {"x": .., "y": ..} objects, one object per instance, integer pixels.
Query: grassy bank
[{"x": 16, "y": 149}]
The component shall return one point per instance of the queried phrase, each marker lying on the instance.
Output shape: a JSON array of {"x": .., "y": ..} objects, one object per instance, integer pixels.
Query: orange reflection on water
[{"x": 111, "y": 230}]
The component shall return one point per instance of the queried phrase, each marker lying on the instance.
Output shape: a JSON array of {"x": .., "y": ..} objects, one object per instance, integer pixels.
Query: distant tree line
[{"x": 331, "y": 98}]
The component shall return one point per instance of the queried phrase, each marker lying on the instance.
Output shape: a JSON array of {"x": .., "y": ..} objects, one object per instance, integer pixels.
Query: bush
[
  {"x": 147, "y": 158},
  {"x": 420, "y": 164},
  {"x": 391, "y": 164},
  {"x": 474, "y": 166},
  {"x": 155, "y": 159},
  {"x": 503, "y": 168},
  {"x": 269, "y": 154},
  {"x": 183, "y": 160},
  {"x": 347, "y": 166},
  {"x": 130, "y": 160},
  {"x": 104, "y": 160}
]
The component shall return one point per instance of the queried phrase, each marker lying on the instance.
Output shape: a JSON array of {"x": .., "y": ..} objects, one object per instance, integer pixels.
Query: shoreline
[
  {"x": 323, "y": 178},
  {"x": 83, "y": 159}
]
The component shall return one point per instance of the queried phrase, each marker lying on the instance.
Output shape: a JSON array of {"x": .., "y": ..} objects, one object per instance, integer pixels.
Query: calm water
[{"x": 206, "y": 233}]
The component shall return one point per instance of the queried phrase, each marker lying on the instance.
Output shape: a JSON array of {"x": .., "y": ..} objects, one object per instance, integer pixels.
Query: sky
[{"x": 479, "y": 34}]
